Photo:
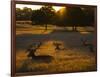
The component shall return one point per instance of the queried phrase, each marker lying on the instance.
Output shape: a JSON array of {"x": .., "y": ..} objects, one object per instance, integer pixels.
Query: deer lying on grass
[
  {"x": 40, "y": 58},
  {"x": 88, "y": 44},
  {"x": 58, "y": 46}
]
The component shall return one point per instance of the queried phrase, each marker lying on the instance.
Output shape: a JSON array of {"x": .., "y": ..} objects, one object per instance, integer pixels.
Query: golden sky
[{"x": 34, "y": 7}]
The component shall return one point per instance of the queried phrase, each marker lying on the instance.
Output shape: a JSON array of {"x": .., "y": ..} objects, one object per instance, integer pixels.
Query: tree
[
  {"x": 89, "y": 15},
  {"x": 26, "y": 13},
  {"x": 43, "y": 16},
  {"x": 72, "y": 16},
  {"x": 23, "y": 14},
  {"x": 18, "y": 14},
  {"x": 37, "y": 17}
]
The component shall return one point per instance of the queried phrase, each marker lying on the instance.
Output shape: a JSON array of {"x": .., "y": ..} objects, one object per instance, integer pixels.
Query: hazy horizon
[{"x": 34, "y": 7}]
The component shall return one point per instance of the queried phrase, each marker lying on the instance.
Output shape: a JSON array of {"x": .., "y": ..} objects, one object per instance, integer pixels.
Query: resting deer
[
  {"x": 42, "y": 58},
  {"x": 88, "y": 44},
  {"x": 58, "y": 46}
]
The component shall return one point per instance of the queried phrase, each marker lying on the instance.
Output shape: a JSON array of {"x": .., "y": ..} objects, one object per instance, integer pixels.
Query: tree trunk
[
  {"x": 45, "y": 26},
  {"x": 74, "y": 28}
]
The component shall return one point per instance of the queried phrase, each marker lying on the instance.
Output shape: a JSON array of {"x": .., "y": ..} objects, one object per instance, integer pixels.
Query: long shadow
[
  {"x": 24, "y": 40},
  {"x": 70, "y": 39}
]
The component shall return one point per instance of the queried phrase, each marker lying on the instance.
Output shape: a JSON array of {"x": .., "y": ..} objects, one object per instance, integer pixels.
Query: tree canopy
[
  {"x": 75, "y": 16},
  {"x": 23, "y": 14},
  {"x": 44, "y": 15}
]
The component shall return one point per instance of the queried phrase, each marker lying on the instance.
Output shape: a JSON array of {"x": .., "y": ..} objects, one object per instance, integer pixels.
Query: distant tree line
[
  {"x": 23, "y": 14},
  {"x": 68, "y": 16}
]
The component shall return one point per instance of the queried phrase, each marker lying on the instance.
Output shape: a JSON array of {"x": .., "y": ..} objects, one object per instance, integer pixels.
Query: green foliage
[
  {"x": 75, "y": 16},
  {"x": 68, "y": 16},
  {"x": 23, "y": 14},
  {"x": 43, "y": 16},
  {"x": 89, "y": 16},
  {"x": 72, "y": 16}
]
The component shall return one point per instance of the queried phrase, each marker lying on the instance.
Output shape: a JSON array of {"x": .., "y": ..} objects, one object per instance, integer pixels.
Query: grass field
[{"x": 75, "y": 57}]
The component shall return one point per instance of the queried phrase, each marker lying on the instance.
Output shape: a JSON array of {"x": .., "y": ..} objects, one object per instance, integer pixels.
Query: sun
[{"x": 57, "y": 8}]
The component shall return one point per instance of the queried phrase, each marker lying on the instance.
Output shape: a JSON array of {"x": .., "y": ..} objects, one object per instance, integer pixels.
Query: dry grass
[
  {"x": 73, "y": 58},
  {"x": 63, "y": 62}
]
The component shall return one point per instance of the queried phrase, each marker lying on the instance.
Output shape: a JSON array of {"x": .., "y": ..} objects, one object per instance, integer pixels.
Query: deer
[
  {"x": 40, "y": 58},
  {"x": 36, "y": 46},
  {"x": 88, "y": 44},
  {"x": 58, "y": 46}
]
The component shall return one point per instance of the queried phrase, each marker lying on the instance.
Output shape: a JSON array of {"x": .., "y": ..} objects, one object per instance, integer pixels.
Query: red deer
[
  {"x": 88, "y": 44},
  {"x": 58, "y": 46},
  {"x": 40, "y": 58}
]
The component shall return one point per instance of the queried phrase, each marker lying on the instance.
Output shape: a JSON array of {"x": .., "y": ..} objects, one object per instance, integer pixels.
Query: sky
[{"x": 34, "y": 7}]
